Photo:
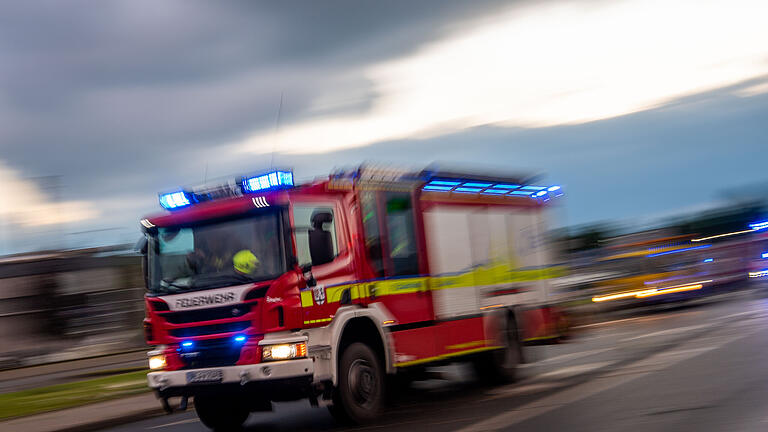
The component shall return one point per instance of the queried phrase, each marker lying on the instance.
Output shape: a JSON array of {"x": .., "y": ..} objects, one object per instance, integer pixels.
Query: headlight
[
  {"x": 157, "y": 362},
  {"x": 284, "y": 351}
]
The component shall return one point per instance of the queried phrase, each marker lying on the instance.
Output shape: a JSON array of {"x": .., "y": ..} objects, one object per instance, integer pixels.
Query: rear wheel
[
  {"x": 500, "y": 366},
  {"x": 359, "y": 397},
  {"x": 221, "y": 413}
]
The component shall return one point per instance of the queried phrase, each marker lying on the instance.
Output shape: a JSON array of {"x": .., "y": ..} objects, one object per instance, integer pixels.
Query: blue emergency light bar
[
  {"x": 176, "y": 200},
  {"x": 273, "y": 180},
  {"x": 268, "y": 181},
  {"x": 488, "y": 188}
]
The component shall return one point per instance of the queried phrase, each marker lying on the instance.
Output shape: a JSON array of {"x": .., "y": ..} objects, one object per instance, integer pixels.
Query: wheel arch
[{"x": 361, "y": 328}]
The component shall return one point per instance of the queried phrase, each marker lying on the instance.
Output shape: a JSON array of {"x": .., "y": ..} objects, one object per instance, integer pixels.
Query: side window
[
  {"x": 372, "y": 232},
  {"x": 315, "y": 230},
  {"x": 403, "y": 252}
]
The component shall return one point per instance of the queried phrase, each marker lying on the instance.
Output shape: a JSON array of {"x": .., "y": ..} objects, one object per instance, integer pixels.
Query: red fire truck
[{"x": 260, "y": 290}]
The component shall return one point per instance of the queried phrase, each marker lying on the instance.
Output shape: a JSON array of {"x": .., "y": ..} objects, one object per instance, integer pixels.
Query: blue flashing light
[
  {"x": 188, "y": 344},
  {"x": 240, "y": 339},
  {"x": 759, "y": 225},
  {"x": 444, "y": 183},
  {"x": 271, "y": 180},
  {"x": 468, "y": 189},
  {"x": 488, "y": 188},
  {"x": 708, "y": 260},
  {"x": 678, "y": 251},
  {"x": 494, "y": 191},
  {"x": 437, "y": 188},
  {"x": 175, "y": 200},
  {"x": 764, "y": 255}
]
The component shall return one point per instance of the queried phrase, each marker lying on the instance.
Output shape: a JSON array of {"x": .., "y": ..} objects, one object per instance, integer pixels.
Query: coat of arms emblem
[{"x": 318, "y": 293}]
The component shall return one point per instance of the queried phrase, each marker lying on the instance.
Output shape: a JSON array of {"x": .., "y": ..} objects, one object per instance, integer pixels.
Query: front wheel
[
  {"x": 359, "y": 397},
  {"x": 221, "y": 413}
]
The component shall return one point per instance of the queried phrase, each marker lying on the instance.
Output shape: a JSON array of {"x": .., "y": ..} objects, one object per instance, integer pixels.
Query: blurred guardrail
[{"x": 60, "y": 305}]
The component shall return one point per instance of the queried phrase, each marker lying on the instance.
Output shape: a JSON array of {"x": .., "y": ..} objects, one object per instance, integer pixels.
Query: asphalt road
[{"x": 699, "y": 368}]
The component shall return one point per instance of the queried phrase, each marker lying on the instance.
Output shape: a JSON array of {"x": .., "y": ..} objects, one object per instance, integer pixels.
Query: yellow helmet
[{"x": 245, "y": 261}]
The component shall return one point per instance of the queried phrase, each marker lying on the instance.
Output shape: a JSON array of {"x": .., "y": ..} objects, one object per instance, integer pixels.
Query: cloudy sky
[{"x": 640, "y": 108}]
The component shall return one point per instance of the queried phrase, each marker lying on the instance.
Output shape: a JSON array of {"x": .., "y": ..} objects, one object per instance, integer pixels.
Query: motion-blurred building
[{"x": 58, "y": 305}]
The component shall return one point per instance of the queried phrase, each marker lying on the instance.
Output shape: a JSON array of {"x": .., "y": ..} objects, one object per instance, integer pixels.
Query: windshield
[{"x": 215, "y": 254}]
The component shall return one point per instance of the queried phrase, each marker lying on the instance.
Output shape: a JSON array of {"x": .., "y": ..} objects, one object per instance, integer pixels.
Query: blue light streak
[
  {"x": 708, "y": 260},
  {"x": 677, "y": 251}
]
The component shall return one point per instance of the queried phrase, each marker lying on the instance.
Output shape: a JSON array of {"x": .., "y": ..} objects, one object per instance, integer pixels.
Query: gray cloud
[
  {"x": 123, "y": 99},
  {"x": 114, "y": 86}
]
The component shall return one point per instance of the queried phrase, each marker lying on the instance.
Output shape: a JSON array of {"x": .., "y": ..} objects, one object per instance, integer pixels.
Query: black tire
[
  {"x": 221, "y": 413},
  {"x": 359, "y": 397},
  {"x": 500, "y": 366}
]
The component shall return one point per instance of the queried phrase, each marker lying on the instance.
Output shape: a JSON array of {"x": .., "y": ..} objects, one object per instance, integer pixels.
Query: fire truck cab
[{"x": 260, "y": 290}]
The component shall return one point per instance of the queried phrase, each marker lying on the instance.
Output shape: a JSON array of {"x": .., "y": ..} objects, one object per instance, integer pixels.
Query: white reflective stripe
[{"x": 206, "y": 298}]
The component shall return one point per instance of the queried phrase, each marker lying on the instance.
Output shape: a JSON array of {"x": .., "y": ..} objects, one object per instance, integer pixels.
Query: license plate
[{"x": 204, "y": 376}]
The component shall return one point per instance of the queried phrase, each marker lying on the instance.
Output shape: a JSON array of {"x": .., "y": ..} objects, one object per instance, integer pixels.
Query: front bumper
[{"x": 278, "y": 380}]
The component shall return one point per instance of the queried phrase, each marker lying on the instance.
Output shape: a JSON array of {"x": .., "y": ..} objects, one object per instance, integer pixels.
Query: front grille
[
  {"x": 211, "y": 353},
  {"x": 210, "y": 329},
  {"x": 208, "y": 314}
]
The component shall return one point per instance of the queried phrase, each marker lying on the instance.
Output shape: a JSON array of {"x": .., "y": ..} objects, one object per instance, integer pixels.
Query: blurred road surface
[{"x": 689, "y": 368}]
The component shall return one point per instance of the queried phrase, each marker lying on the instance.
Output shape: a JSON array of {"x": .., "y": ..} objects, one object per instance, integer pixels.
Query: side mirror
[
  {"x": 320, "y": 240},
  {"x": 306, "y": 271},
  {"x": 141, "y": 247}
]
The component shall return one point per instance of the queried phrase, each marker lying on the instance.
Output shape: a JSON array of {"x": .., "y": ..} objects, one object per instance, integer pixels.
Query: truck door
[
  {"x": 392, "y": 244},
  {"x": 329, "y": 255}
]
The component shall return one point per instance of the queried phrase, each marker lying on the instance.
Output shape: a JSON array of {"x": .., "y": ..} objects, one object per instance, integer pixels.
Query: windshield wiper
[{"x": 167, "y": 284}]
